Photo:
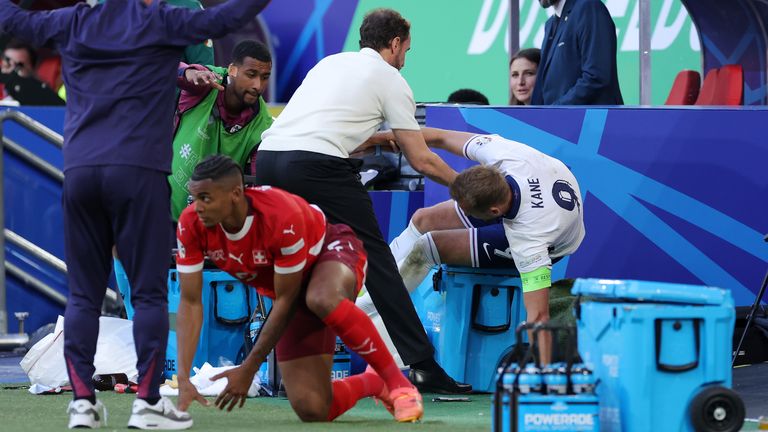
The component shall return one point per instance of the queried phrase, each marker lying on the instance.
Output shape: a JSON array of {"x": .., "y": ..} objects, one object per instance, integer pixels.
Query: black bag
[
  {"x": 754, "y": 349},
  {"x": 383, "y": 169}
]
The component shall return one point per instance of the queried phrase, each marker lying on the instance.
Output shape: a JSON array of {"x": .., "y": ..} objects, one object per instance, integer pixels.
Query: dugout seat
[
  {"x": 49, "y": 72},
  {"x": 685, "y": 88},
  {"x": 707, "y": 92},
  {"x": 730, "y": 85}
]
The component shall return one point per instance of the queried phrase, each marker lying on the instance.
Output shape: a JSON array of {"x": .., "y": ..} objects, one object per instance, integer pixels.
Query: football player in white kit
[{"x": 519, "y": 209}]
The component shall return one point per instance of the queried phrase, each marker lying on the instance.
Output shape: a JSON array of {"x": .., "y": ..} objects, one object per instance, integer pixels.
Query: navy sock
[
  {"x": 91, "y": 399},
  {"x": 152, "y": 401}
]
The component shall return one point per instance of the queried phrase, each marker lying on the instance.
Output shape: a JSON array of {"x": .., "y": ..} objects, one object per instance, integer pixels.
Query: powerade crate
[
  {"x": 342, "y": 361},
  {"x": 662, "y": 355},
  {"x": 545, "y": 413},
  {"x": 555, "y": 397},
  {"x": 482, "y": 308}
]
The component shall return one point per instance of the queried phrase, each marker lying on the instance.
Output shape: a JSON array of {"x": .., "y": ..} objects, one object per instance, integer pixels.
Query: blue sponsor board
[
  {"x": 303, "y": 33},
  {"x": 670, "y": 194}
]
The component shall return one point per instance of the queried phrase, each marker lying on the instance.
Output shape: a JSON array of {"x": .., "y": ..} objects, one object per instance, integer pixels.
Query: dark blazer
[{"x": 578, "y": 65}]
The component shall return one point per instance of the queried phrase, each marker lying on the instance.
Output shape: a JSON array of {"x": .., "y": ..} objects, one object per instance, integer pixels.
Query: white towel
[{"x": 206, "y": 387}]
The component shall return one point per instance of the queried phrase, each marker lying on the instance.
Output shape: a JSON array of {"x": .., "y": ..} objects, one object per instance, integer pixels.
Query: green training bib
[{"x": 201, "y": 133}]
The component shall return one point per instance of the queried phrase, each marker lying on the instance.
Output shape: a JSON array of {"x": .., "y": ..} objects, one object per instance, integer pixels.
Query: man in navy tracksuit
[{"x": 120, "y": 60}]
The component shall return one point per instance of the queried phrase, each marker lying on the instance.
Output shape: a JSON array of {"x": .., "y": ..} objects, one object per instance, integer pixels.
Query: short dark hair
[
  {"x": 216, "y": 167},
  {"x": 21, "y": 45},
  {"x": 251, "y": 48},
  {"x": 468, "y": 96},
  {"x": 479, "y": 188},
  {"x": 382, "y": 25}
]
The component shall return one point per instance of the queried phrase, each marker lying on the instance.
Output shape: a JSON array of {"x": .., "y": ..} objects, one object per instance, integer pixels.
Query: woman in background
[{"x": 522, "y": 75}]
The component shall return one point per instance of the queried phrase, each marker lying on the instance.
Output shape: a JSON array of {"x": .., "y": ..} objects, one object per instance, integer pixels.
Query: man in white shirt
[
  {"x": 342, "y": 101},
  {"x": 520, "y": 209}
]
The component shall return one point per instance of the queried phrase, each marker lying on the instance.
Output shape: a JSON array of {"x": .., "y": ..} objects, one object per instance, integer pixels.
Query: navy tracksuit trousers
[{"x": 129, "y": 207}]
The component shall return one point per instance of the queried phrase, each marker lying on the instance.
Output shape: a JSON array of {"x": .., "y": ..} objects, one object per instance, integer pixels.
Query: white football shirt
[{"x": 546, "y": 220}]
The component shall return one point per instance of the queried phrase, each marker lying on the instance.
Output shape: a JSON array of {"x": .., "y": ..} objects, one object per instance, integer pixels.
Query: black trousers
[
  {"x": 129, "y": 207},
  {"x": 333, "y": 184}
]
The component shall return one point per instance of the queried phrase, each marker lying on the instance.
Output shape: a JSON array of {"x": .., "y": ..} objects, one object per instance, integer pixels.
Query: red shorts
[{"x": 307, "y": 334}]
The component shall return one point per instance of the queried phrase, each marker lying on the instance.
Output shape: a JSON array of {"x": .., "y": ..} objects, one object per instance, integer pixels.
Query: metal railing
[
  {"x": 46, "y": 257},
  {"x": 17, "y": 240},
  {"x": 33, "y": 159},
  {"x": 35, "y": 250},
  {"x": 56, "y": 139},
  {"x": 42, "y": 255}
]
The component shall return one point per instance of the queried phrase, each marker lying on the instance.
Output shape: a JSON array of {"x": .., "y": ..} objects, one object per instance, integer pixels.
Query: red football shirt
[{"x": 282, "y": 234}]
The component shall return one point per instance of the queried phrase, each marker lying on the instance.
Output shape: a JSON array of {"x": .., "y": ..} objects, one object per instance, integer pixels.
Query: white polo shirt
[
  {"x": 342, "y": 101},
  {"x": 547, "y": 220}
]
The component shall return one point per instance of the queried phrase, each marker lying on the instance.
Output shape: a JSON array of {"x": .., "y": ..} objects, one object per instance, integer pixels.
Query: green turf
[
  {"x": 750, "y": 426},
  {"x": 21, "y": 411},
  {"x": 24, "y": 412}
]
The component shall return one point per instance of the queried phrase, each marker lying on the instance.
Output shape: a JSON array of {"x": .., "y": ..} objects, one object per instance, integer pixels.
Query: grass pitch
[{"x": 21, "y": 411}]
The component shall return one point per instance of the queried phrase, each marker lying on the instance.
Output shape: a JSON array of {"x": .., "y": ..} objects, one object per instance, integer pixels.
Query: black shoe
[{"x": 437, "y": 381}]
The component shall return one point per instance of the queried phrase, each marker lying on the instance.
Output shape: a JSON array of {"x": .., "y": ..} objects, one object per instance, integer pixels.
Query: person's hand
[
  {"x": 384, "y": 139},
  {"x": 239, "y": 380},
  {"x": 187, "y": 394},
  {"x": 205, "y": 78}
]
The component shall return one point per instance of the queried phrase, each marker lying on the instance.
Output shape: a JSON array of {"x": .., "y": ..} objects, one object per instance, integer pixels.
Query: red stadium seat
[
  {"x": 49, "y": 72},
  {"x": 730, "y": 85},
  {"x": 707, "y": 93},
  {"x": 685, "y": 89}
]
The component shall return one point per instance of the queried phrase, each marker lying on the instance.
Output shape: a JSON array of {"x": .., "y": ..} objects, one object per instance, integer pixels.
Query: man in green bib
[{"x": 220, "y": 111}]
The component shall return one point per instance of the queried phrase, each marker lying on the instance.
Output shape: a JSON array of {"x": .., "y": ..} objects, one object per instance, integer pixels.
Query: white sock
[
  {"x": 402, "y": 245},
  {"x": 419, "y": 262},
  {"x": 365, "y": 303}
]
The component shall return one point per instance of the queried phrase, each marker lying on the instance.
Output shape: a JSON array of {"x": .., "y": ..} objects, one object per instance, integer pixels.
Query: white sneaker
[
  {"x": 84, "y": 414},
  {"x": 162, "y": 415}
]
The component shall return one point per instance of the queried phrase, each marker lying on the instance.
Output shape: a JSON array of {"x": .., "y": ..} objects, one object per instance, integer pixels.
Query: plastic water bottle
[
  {"x": 529, "y": 380},
  {"x": 583, "y": 379},
  {"x": 555, "y": 379},
  {"x": 254, "y": 328}
]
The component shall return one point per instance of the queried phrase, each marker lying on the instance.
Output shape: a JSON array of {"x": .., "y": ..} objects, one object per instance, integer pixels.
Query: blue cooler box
[
  {"x": 227, "y": 307},
  {"x": 482, "y": 309},
  {"x": 661, "y": 353}
]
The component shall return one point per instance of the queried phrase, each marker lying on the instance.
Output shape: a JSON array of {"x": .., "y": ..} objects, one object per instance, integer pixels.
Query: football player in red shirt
[{"x": 277, "y": 243}]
